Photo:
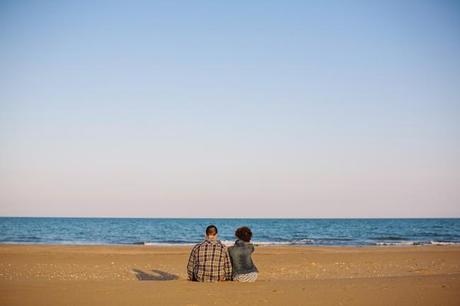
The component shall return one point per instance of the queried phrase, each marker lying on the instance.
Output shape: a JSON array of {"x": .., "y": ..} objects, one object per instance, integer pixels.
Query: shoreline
[{"x": 228, "y": 243}]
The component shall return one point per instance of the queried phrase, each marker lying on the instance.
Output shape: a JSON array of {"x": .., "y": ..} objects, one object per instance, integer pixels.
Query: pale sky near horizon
[{"x": 230, "y": 108}]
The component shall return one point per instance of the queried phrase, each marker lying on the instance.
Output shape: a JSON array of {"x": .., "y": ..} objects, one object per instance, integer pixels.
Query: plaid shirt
[{"x": 209, "y": 262}]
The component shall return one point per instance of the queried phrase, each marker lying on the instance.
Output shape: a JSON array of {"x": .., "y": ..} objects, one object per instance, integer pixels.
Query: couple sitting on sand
[{"x": 211, "y": 261}]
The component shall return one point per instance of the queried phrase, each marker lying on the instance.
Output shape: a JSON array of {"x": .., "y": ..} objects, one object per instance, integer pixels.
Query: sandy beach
[{"x": 128, "y": 275}]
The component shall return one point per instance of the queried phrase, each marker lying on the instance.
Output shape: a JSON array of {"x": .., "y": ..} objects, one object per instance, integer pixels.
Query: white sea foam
[
  {"x": 271, "y": 242},
  {"x": 167, "y": 244},
  {"x": 232, "y": 242},
  {"x": 444, "y": 243},
  {"x": 302, "y": 241},
  {"x": 402, "y": 243},
  {"x": 225, "y": 242}
]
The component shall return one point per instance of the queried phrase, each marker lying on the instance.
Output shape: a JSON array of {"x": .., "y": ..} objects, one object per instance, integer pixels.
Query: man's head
[{"x": 211, "y": 232}]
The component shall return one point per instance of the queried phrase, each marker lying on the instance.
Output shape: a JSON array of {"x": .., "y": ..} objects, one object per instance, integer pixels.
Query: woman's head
[{"x": 244, "y": 233}]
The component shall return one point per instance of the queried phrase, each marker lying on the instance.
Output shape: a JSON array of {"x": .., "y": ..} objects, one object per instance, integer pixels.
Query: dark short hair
[
  {"x": 244, "y": 233},
  {"x": 211, "y": 230}
]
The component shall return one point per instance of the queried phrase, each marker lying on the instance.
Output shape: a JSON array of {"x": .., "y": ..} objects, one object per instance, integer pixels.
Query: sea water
[{"x": 353, "y": 232}]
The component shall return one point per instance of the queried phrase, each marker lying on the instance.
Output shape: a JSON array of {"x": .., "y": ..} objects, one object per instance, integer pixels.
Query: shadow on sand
[{"x": 157, "y": 275}]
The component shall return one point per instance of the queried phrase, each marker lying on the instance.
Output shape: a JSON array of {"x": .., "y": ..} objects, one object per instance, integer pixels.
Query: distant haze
[{"x": 230, "y": 108}]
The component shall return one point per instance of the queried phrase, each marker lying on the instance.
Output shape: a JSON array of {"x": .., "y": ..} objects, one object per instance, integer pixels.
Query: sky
[{"x": 305, "y": 109}]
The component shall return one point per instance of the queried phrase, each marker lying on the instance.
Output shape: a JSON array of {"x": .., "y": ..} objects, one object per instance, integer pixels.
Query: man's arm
[
  {"x": 227, "y": 265},
  {"x": 191, "y": 264}
]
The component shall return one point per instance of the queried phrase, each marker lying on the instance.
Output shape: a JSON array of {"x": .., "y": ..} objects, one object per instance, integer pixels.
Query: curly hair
[{"x": 244, "y": 233}]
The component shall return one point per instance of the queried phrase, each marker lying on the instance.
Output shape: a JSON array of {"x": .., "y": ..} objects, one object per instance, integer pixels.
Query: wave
[
  {"x": 445, "y": 242},
  {"x": 232, "y": 242},
  {"x": 402, "y": 243},
  {"x": 389, "y": 238},
  {"x": 270, "y": 242},
  {"x": 166, "y": 244},
  {"x": 317, "y": 242},
  {"x": 301, "y": 242},
  {"x": 225, "y": 242}
]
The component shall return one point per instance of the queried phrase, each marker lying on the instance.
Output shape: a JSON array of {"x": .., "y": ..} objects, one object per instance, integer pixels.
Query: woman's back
[{"x": 240, "y": 255}]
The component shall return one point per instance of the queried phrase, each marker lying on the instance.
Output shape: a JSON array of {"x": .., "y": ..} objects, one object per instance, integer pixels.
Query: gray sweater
[{"x": 240, "y": 256}]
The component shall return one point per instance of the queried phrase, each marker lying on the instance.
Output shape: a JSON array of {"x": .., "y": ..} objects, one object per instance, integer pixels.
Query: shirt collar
[{"x": 239, "y": 242}]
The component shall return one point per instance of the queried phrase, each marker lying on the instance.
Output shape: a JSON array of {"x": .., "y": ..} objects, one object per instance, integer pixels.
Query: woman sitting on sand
[{"x": 244, "y": 269}]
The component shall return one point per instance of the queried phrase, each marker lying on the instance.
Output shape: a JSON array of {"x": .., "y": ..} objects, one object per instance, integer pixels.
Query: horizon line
[{"x": 226, "y": 218}]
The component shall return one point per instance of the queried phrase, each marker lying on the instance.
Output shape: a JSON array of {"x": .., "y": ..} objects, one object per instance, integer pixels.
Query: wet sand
[{"x": 128, "y": 275}]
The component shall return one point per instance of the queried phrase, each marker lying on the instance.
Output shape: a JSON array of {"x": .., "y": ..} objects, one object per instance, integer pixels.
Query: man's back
[{"x": 209, "y": 262}]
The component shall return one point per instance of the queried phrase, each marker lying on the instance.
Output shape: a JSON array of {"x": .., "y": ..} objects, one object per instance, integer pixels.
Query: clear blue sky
[{"x": 230, "y": 108}]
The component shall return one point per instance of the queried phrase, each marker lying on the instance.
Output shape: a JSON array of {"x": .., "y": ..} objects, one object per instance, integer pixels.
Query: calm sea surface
[{"x": 266, "y": 231}]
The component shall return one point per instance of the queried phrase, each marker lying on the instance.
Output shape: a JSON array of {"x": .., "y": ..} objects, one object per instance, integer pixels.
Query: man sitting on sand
[{"x": 209, "y": 260}]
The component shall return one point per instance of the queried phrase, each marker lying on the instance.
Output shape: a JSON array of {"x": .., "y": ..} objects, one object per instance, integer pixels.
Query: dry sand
[{"x": 141, "y": 275}]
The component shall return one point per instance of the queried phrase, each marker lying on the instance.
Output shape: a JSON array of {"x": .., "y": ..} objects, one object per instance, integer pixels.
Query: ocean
[{"x": 337, "y": 232}]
